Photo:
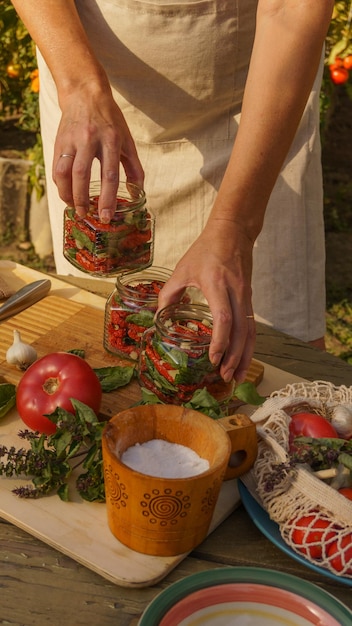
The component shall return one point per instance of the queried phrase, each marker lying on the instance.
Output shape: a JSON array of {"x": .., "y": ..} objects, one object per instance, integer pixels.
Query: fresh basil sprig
[{"x": 50, "y": 460}]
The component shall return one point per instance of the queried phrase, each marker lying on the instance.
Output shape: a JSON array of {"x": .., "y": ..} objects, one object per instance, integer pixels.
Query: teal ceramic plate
[
  {"x": 271, "y": 530},
  {"x": 249, "y": 596}
]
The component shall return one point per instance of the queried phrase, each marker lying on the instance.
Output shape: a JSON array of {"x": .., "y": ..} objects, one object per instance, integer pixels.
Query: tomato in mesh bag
[
  {"x": 340, "y": 555},
  {"x": 310, "y": 533}
]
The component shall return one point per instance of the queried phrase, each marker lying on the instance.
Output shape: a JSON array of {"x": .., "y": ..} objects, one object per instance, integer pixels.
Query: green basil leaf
[
  {"x": 247, "y": 392},
  {"x": 143, "y": 318},
  {"x": 62, "y": 492},
  {"x": 158, "y": 379},
  {"x": 148, "y": 397},
  {"x": 82, "y": 240},
  {"x": 7, "y": 398},
  {"x": 77, "y": 352},
  {"x": 114, "y": 377},
  {"x": 346, "y": 460},
  {"x": 204, "y": 402}
]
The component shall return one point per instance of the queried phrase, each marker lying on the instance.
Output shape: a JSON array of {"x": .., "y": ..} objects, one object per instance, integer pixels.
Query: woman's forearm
[
  {"x": 285, "y": 59},
  {"x": 56, "y": 28}
]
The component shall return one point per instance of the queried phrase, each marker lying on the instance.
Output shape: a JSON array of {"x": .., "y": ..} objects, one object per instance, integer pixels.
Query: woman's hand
[
  {"x": 92, "y": 126},
  {"x": 219, "y": 263}
]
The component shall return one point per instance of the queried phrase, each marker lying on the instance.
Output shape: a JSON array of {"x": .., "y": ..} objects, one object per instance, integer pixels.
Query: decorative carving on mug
[
  {"x": 165, "y": 507},
  {"x": 117, "y": 490},
  {"x": 210, "y": 495}
]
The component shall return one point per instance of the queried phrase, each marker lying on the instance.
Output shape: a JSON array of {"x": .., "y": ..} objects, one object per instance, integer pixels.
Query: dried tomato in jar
[
  {"x": 125, "y": 244},
  {"x": 130, "y": 310},
  {"x": 174, "y": 357}
]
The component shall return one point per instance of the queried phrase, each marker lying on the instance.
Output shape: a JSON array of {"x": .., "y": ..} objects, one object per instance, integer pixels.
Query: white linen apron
[{"x": 178, "y": 72}]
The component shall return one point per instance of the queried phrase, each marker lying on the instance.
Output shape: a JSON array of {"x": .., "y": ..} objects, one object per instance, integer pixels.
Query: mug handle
[{"x": 244, "y": 444}]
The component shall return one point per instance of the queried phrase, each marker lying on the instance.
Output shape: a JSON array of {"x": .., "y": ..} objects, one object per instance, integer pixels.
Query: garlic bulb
[
  {"x": 20, "y": 354},
  {"x": 341, "y": 420}
]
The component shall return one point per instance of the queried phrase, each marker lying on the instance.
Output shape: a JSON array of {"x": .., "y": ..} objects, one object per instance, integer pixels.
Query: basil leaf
[
  {"x": 77, "y": 352},
  {"x": 7, "y": 398},
  {"x": 62, "y": 492},
  {"x": 82, "y": 240},
  {"x": 114, "y": 377},
  {"x": 143, "y": 318},
  {"x": 158, "y": 379},
  {"x": 148, "y": 397},
  {"x": 204, "y": 402},
  {"x": 346, "y": 460},
  {"x": 247, "y": 392}
]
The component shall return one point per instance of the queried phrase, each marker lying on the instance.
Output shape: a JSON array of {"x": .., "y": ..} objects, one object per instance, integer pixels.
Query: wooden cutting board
[
  {"x": 55, "y": 324},
  {"x": 76, "y": 528}
]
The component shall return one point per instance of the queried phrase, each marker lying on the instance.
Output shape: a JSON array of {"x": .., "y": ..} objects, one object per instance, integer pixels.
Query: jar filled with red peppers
[
  {"x": 130, "y": 310},
  {"x": 125, "y": 244},
  {"x": 174, "y": 357}
]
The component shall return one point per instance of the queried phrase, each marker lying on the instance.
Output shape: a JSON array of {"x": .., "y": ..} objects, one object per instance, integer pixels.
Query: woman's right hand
[{"x": 92, "y": 126}]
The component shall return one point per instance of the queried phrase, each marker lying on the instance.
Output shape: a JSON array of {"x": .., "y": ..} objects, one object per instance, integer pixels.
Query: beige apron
[{"x": 178, "y": 72}]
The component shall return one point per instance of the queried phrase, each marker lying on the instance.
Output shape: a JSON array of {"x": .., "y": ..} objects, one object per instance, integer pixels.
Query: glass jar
[
  {"x": 130, "y": 310},
  {"x": 174, "y": 357},
  {"x": 126, "y": 243}
]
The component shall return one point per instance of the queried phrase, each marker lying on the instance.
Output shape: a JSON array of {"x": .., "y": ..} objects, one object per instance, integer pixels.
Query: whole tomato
[
  {"x": 340, "y": 553},
  {"x": 339, "y": 75},
  {"x": 309, "y": 534},
  {"x": 346, "y": 491},
  {"x": 49, "y": 383},
  {"x": 310, "y": 425},
  {"x": 347, "y": 62}
]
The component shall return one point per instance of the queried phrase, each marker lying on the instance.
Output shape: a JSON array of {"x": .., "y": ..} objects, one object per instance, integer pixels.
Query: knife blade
[{"x": 25, "y": 297}]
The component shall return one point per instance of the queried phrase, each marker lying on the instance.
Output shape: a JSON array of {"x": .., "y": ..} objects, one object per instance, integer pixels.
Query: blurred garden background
[{"x": 20, "y": 138}]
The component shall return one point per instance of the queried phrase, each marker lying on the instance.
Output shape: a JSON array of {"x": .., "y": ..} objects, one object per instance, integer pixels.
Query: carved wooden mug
[{"x": 170, "y": 516}]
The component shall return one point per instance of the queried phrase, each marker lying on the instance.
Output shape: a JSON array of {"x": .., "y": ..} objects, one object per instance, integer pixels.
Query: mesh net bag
[{"x": 314, "y": 519}]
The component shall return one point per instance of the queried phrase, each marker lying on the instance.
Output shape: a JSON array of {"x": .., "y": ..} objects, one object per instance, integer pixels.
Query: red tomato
[
  {"x": 347, "y": 62},
  {"x": 339, "y": 75},
  {"x": 49, "y": 383},
  {"x": 340, "y": 553},
  {"x": 346, "y": 491},
  {"x": 337, "y": 63},
  {"x": 310, "y": 535},
  {"x": 310, "y": 425}
]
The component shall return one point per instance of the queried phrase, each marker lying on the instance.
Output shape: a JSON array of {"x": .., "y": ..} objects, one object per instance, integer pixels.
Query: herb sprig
[{"x": 51, "y": 459}]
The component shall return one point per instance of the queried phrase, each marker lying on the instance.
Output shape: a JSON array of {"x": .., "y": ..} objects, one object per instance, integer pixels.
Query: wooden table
[{"x": 39, "y": 585}]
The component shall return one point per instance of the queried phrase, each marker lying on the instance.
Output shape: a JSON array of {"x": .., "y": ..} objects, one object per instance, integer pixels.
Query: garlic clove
[
  {"x": 341, "y": 420},
  {"x": 20, "y": 354}
]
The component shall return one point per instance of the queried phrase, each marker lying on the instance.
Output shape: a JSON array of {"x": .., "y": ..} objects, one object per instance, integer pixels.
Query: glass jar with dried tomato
[
  {"x": 130, "y": 310},
  {"x": 125, "y": 244},
  {"x": 174, "y": 356}
]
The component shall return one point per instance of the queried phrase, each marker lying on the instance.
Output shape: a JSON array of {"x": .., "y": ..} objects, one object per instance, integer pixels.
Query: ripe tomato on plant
[
  {"x": 340, "y": 553},
  {"x": 347, "y": 62},
  {"x": 337, "y": 63},
  {"x": 49, "y": 383},
  {"x": 339, "y": 75},
  {"x": 310, "y": 425},
  {"x": 309, "y": 534}
]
